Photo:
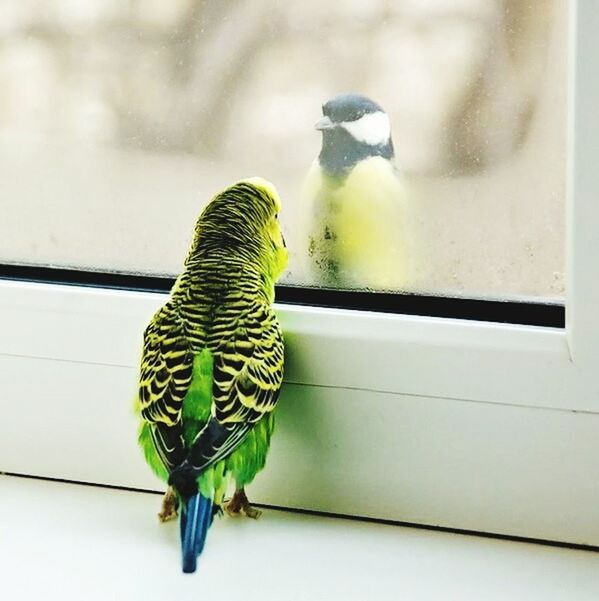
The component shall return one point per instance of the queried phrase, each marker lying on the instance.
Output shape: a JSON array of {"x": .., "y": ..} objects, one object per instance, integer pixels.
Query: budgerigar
[
  {"x": 353, "y": 201},
  {"x": 212, "y": 363}
]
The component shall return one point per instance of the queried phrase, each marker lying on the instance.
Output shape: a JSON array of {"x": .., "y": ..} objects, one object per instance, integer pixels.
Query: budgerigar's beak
[{"x": 324, "y": 123}]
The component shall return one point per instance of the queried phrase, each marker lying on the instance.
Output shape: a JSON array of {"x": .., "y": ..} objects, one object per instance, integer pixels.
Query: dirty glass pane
[{"x": 119, "y": 119}]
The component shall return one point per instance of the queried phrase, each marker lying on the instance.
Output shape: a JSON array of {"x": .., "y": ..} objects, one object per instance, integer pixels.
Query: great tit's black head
[
  {"x": 353, "y": 128},
  {"x": 349, "y": 108}
]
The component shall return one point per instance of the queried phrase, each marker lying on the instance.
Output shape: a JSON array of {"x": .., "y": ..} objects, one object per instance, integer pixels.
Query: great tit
[{"x": 353, "y": 200}]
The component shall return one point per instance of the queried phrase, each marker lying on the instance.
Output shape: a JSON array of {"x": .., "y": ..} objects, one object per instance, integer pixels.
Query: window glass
[{"x": 119, "y": 120}]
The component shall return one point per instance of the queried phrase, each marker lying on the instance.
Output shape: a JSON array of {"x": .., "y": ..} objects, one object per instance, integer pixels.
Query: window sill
[
  {"x": 74, "y": 542},
  {"x": 460, "y": 417}
]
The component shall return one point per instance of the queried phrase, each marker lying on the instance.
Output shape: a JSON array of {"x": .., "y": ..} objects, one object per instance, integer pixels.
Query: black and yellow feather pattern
[{"x": 213, "y": 355}]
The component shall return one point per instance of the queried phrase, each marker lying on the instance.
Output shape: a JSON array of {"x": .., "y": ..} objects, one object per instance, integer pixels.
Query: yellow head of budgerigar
[
  {"x": 265, "y": 186},
  {"x": 278, "y": 255},
  {"x": 244, "y": 218}
]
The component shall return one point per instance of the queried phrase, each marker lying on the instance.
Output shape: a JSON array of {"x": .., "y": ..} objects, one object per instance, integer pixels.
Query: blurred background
[{"x": 119, "y": 119}]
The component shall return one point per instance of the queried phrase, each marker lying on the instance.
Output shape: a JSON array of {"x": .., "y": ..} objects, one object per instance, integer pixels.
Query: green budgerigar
[{"x": 212, "y": 363}]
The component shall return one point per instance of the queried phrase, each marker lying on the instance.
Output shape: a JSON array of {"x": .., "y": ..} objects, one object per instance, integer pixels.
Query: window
[
  {"x": 467, "y": 424},
  {"x": 131, "y": 115}
]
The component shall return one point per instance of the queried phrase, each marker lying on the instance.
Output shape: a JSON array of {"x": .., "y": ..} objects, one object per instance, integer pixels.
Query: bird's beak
[{"x": 324, "y": 123}]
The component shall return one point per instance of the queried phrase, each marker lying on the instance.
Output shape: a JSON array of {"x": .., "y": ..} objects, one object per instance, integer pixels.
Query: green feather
[
  {"x": 197, "y": 401},
  {"x": 243, "y": 464},
  {"x": 215, "y": 349}
]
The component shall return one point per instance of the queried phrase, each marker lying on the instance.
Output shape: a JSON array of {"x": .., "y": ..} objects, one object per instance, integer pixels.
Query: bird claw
[
  {"x": 169, "y": 506},
  {"x": 252, "y": 512},
  {"x": 239, "y": 504},
  {"x": 167, "y": 516}
]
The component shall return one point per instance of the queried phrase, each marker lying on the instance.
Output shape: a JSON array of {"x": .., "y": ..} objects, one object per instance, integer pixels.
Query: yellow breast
[{"x": 358, "y": 226}]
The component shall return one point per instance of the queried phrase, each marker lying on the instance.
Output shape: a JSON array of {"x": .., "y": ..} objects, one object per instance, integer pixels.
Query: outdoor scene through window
[{"x": 119, "y": 120}]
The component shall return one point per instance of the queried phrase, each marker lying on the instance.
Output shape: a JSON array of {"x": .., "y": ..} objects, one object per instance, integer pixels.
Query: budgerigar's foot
[
  {"x": 252, "y": 512},
  {"x": 170, "y": 502},
  {"x": 239, "y": 504}
]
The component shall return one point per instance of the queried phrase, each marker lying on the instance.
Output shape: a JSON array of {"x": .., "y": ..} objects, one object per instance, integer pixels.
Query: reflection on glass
[{"x": 118, "y": 120}]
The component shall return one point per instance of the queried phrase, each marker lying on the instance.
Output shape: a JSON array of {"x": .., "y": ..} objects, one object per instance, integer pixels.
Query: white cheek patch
[{"x": 372, "y": 129}]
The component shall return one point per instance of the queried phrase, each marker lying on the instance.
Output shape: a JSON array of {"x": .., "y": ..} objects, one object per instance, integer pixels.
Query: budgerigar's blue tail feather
[{"x": 196, "y": 518}]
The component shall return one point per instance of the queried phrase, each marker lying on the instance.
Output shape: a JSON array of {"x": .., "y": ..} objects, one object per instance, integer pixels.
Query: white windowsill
[
  {"x": 64, "y": 541},
  {"x": 472, "y": 425}
]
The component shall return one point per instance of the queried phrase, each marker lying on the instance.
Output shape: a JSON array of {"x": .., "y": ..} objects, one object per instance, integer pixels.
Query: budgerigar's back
[{"x": 212, "y": 364}]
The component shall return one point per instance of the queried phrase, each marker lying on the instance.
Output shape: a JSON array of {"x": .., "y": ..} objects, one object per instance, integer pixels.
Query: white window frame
[{"x": 357, "y": 371}]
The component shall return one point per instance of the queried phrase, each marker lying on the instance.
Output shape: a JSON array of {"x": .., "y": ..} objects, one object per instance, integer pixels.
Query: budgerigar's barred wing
[
  {"x": 166, "y": 373},
  {"x": 248, "y": 373}
]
